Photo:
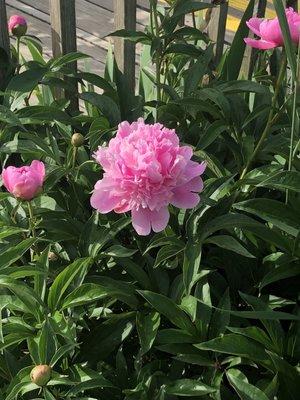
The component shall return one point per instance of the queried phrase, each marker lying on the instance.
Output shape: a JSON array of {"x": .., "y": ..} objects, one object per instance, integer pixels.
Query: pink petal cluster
[
  {"x": 25, "y": 182},
  {"x": 17, "y": 25},
  {"x": 145, "y": 170},
  {"x": 270, "y": 33}
]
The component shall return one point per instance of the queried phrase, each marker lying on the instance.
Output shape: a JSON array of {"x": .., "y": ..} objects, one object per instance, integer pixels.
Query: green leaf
[
  {"x": 94, "y": 383},
  {"x": 193, "y": 76},
  {"x": 211, "y": 134},
  {"x": 60, "y": 353},
  {"x": 9, "y": 117},
  {"x": 26, "y": 81},
  {"x": 167, "y": 252},
  {"x": 191, "y": 264},
  {"x": 169, "y": 309},
  {"x": 188, "y": 6},
  {"x": 280, "y": 181},
  {"x": 57, "y": 63},
  {"x": 118, "y": 251},
  {"x": 234, "y": 58},
  {"x": 85, "y": 294},
  {"x": 255, "y": 333},
  {"x": 11, "y": 255},
  {"x": 116, "y": 289},
  {"x": 147, "y": 327},
  {"x": 220, "y": 319},
  {"x": 64, "y": 280},
  {"x": 7, "y": 231},
  {"x": 229, "y": 243},
  {"x": 273, "y": 211},
  {"x": 282, "y": 272},
  {"x": 245, "y": 390},
  {"x": 25, "y": 294},
  {"x": 96, "y": 80},
  {"x": 133, "y": 36},
  {"x": 46, "y": 343},
  {"x": 105, "y": 104},
  {"x": 237, "y": 345},
  {"x": 288, "y": 44},
  {"x": 188, "y": 387}
]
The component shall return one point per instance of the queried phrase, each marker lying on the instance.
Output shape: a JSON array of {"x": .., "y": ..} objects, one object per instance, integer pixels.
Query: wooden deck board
[{"x": 95, "y": 20}]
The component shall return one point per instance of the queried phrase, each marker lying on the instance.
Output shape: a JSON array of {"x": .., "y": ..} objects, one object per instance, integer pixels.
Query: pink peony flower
[
  {"x": 26, "y": 182},
  {"x": 145, "y": 170},
  {"x": 17, "y": 25},
  {"x": 270, "y": 33}
]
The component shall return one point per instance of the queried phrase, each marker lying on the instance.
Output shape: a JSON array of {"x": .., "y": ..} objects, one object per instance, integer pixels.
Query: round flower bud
[
  {"x": 40, "y": 375},
  {"x": 17, "y": 25},
  {"x": 25, "y": 182},
  {"x": 52, "y": 256},
  {"x": 77, "y": 139}
]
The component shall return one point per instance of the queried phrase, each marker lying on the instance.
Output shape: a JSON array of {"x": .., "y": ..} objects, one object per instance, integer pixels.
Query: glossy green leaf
[
  {"x": 147, "y": 327},
  {"x": 245, "y": 390}
]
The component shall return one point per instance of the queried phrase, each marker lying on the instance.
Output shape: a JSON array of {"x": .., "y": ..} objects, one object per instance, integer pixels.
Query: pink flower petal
[
  {"x": 103, "y": 201},
  {"x": 254, "y": 25},
  {"x": 184, "y": 199},
  {"x": 260, "y": 44},
  {"x": 141, "y": 221},
  {"x": 159, "y": 219}
]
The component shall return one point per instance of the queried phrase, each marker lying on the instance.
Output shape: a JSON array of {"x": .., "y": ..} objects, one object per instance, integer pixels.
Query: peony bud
[
  {"x": 52, "y": 256},
  {"x": 17, "y": 25},
  {"x": 40, "y": 375},
  {"x": 26, "y": 182},
  {"x": 77, "y": 140}
]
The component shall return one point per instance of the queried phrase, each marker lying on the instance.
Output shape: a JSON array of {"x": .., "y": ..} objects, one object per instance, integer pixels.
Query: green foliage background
[{"x": 210, "y": 307}]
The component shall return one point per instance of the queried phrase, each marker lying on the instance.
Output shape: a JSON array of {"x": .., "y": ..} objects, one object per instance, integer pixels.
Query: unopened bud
[
  {"x": 52, "y": 256},
  {"x": 17, "y": 25},
  {"x": 77, "y": 140},
  {"x": 40, "y": 375}
]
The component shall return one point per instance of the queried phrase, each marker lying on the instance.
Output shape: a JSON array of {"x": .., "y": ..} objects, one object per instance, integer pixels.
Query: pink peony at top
[
  {"x": 26, "y": 182},
  {"x": 269, "y": 31},
  {"x": 17, "y": 25},
  {"x": 145, "y": 170}
]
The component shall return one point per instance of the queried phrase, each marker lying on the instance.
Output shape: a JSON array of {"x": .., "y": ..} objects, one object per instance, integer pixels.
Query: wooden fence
[{"x": 63, "y": 28}]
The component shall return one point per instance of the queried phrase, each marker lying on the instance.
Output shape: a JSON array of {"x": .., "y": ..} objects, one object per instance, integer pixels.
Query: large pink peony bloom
[
  {"x": 17, "y": 25},
  {"x": 145, "y": 170},
  {"x": 26, "y": 182},
  {"x": 270, "y": 33}
]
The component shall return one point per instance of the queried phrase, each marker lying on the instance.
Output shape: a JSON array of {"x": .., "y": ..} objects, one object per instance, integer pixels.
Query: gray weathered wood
[
  {"x": 4, "y": 38},
  {"x": 125, "y": 18},
  {"x": 217, "y": 28},
  {"x": 63, "y": 31}
]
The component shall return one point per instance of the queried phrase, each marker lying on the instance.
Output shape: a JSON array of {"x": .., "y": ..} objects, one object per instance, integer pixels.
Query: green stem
[
  {"x": 32, "y": 229},
  {"x": 31, "y": 220},
  {"x": 74, "y": 156},
  {"x": 18, "y": 54},
  {"x": 293, "y": 127},
  {"x": 270, "y": 118}
]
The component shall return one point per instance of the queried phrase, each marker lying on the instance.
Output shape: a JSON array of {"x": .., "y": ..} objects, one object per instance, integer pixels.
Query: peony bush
[{"x": 149, "y": 242}]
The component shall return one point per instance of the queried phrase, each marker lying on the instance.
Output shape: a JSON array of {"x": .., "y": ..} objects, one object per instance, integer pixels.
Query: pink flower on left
[
  {"x": 269, "y": 31},
  {"x": 17, "y": 25},
  {"x": 145, "y": 170},
  {"x": 26, "y": 182}
]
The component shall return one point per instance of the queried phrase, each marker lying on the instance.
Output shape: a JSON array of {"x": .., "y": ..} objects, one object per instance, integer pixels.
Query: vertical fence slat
[
  {"x": 4, "y": 38},
  {"x": 217, "y": 28},
  {"x": 125, "y": 18},
  {"x": 63, "y": 30}
]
